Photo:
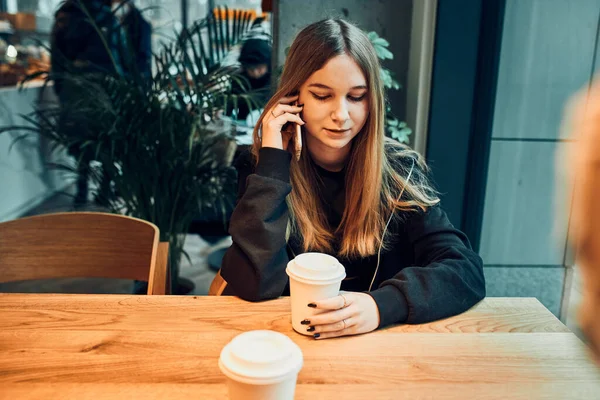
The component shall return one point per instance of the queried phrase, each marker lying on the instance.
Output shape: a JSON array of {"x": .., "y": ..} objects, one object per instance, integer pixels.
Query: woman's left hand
[{"x": 349, "y": 313}]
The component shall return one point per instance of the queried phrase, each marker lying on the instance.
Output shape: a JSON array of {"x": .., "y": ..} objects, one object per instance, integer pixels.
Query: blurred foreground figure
[{"x": 584, "y": 174}]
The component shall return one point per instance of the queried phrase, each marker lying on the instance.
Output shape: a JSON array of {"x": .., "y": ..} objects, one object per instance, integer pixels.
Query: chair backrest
[
  {"x": 82, "y": 244},
  {"x": 217, "y": 286}
]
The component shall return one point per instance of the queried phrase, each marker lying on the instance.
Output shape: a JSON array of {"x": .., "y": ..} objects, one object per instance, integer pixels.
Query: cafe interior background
[{"x": 478, "y": 87}]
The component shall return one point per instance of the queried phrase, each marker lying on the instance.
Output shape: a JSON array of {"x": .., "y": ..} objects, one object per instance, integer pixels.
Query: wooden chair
[
  {"x": 84, "y": 244},
  {"x": 217, "y": 286}
]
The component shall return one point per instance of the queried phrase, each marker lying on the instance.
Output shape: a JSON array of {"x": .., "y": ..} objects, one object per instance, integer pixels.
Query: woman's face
[{"x": 336, "y": 105}]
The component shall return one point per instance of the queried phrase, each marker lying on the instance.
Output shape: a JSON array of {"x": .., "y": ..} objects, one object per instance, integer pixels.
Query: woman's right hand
[{"x": 275, "y": 119}]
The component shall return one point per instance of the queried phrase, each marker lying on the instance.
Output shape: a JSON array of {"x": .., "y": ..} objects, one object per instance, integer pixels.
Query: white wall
[{"x": 25, "y": 181}]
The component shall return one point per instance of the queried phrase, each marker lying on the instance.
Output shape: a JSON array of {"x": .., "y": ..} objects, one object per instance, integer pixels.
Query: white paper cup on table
[
  {"x": 313, "y": 277},
  {"x": 261, "y": 365}
]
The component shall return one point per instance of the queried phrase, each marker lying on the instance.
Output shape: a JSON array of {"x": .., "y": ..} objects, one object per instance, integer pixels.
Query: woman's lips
[{"x": 338, "y": 131}]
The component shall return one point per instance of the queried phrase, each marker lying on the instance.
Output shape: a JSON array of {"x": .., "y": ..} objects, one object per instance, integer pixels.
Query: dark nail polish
[
  {"x": 312, "y": 305},
  {"x": 316, "y": 335},
  {"x": 311, "y": 329},
  {"x": 305, "y": 322}
]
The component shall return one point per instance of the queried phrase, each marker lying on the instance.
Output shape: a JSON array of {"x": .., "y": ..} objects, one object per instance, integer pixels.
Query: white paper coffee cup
[
  {"x": 261, "y": 365},
  {"x": 313, "y": 277}
]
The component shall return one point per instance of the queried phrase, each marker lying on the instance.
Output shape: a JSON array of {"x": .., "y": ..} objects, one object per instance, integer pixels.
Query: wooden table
[{"x": 151, "y": 347}]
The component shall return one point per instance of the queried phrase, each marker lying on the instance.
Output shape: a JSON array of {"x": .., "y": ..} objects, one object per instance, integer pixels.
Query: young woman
[{"x": 350, "y": 193}]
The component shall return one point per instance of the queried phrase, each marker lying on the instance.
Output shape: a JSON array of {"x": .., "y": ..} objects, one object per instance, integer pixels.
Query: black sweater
[{"x": 428, "y": 273}]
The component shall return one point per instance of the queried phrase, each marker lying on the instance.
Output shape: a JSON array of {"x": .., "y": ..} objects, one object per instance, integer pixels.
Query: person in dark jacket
[
  {"x": 135, "y": 51},
  {"x": 78, "y": 48},
  {"x": 351, "y": 193},
  {"x": 255, "y": 60}
]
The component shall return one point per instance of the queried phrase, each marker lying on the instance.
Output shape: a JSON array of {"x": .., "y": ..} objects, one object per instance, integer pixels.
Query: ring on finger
[
  {"x": 345, "y": 302},
  {"x": 273, "y": 114}
]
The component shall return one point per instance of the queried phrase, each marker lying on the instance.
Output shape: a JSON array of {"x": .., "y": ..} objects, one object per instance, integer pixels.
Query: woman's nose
[{"x": 340, "y": 112}]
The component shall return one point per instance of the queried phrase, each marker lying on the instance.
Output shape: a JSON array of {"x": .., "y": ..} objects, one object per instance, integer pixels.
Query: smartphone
[{"x": 298, "y": 137}]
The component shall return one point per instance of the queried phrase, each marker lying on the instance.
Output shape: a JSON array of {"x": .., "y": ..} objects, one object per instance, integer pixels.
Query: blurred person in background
[
  {"x": 78, "y": 48},
  {"x": 255, "y": 60},
  {"x": 136, "y": 50},
  {"x": 583, "y": 172}
]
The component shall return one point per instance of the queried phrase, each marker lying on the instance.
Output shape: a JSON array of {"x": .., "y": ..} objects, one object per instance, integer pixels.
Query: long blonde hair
[{"x": 376, "y": 170}]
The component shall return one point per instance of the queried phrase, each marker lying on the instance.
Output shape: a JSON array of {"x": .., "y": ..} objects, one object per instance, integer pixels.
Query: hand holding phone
[{"x": 281, "y": 126}]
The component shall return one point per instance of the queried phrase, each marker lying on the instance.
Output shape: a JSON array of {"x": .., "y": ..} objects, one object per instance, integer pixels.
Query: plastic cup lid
[
  {"x": 317, "y": 268},
  {"x": 260, "y": 357}
]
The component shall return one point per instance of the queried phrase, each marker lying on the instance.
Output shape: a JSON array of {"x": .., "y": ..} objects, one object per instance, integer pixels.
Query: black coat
[{"x": 428, "y": 273}]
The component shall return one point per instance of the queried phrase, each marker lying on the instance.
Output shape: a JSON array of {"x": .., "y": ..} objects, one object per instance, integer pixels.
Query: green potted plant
[
  {"x": 152, "y": 139},
  {"x": 396, "y": 129}
]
